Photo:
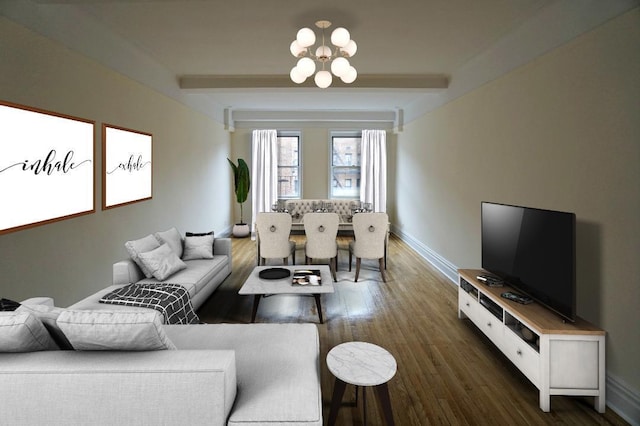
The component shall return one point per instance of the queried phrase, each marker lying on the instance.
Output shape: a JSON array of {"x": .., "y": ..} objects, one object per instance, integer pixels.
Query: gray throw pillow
[
  {"x": 171, "y": 237},
  {"x": 200, "y": 247},
  {"x": 115, "y": 331},
  {"x": 48, "y": 315},
  {"x": 162, "y": 262},
  {"x": 142, "y": 245},
  {"x": 23, "y": 332}
]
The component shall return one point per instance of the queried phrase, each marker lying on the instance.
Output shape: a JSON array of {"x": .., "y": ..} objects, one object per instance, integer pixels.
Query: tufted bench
[{"x": 300, "y": 207}]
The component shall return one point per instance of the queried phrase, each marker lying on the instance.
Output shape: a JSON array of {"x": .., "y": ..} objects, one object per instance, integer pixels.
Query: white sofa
[
  {"x": 200, "y": 278},
  {"x": 207, "y": 374},
  {"x": 233, "y": 374}
]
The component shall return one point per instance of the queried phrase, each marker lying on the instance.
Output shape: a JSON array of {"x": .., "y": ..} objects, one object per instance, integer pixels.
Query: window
[
  {"x": 345, "y": 164},
  {"x": 288, "y": 165}
]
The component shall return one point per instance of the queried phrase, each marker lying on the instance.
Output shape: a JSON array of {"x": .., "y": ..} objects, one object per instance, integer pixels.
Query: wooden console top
[{"x": 540, "y": 318}]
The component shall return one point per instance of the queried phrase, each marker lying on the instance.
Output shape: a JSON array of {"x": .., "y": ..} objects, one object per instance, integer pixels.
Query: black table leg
[
  {"x": 382, "y": 391},
  {"x": 336, "y": 400},
  {"x": 319, "y": 307},
  {"x": 364, "y": 406},
  {"x": 256, "y": 302}
]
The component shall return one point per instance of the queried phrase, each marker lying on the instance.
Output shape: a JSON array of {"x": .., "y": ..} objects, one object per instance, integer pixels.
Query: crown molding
[
  {"x": 365, "y": 81},
  {"x": 286, "y": 119}
]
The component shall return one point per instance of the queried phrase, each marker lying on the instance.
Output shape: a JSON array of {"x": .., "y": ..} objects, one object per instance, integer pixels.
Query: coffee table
[{"x": 259, "y": 288}]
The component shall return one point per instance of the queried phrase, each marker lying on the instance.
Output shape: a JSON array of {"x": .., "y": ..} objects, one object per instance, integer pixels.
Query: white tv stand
[{"x": 559, "y": 358}]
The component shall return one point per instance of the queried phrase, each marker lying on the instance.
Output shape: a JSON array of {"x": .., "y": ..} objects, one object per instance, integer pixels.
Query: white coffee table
[
  {"x": 361, "y": 364},
  {"x": 258, "y": 287}
]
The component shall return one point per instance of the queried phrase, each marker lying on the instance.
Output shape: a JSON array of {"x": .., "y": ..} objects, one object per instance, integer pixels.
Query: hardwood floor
[{"x": 448, "y": 372}]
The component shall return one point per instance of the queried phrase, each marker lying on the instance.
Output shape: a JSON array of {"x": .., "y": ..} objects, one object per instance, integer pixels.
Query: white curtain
[
  {"x": 264, "y": 172},
  {"x": 373, "y": 169}
]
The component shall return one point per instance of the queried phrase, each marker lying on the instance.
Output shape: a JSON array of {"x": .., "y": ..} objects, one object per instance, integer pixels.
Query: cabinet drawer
[
  {"x": 467, "y": 304},
  {"x": 522, "y": 355},
  {"x": 489, "y": 325}
]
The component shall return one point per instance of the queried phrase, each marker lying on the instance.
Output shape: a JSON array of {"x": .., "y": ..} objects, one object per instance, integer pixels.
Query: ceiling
[{"x": 235, "y": 55}]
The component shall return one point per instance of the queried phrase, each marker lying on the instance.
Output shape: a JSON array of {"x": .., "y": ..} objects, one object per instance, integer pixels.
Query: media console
[{"x": 558, "y": 357}]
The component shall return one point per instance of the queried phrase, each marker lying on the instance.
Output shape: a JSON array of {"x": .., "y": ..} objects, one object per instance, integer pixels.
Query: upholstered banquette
[{"x": 302, "y": 206}]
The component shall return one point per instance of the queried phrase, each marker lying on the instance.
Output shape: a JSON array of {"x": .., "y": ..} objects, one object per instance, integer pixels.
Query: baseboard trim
[
  {"x": 623, "y": 400},
  {"x": 439, "y": 262},
  {"x": 620, "y": 398},
  {"x": 226, "y": 232}
]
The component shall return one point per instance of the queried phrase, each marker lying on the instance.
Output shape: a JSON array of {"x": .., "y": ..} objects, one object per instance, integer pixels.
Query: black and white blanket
[{"x": 172, "y": 300}]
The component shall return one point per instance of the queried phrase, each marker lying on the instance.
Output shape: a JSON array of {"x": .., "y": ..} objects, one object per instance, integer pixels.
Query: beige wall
[
  {"x": 71, "y": 259},
  {"x": 562, "y": 133}
]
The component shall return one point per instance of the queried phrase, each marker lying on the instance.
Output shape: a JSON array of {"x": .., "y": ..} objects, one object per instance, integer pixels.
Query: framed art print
[
  {"x": 127, "y": 166},
  {"x": 47, "y": 167}
]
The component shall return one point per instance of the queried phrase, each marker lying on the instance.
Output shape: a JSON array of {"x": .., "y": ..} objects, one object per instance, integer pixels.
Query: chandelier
[{"x": 345, "y": 48}]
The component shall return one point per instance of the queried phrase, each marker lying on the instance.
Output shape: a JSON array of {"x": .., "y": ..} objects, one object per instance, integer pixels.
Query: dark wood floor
[{"x": 448, "y": 372}]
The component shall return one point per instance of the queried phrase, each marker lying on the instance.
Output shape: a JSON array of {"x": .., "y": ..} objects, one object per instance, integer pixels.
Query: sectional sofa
[
  {"x": 100, "y": 364},
  {"x": 206, "y": 374}
]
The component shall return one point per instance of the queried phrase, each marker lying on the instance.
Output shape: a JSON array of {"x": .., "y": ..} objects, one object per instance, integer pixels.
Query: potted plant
[{"x": 242, "y": 183}]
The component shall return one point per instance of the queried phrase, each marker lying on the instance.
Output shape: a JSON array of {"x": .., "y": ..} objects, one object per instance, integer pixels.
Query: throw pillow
[
  {"x": 48, "y": 315},
  {"x": 171, "y": 237},
  {"x": 115, "y": 331},
  {"x": 162, "y": 262},
  {"x": 142, "y": 245},
  {"x": 198, "y": 234},
  {"x": 200, "y": 247},
  {"x": 23, "y": 332},
  {"x": 8, "y": 305}
]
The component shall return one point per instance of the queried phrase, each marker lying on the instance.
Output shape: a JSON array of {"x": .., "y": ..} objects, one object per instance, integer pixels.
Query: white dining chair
[
  {"x": 321, "y": 230},
  {"x": 273, "y": 237},
  {"x": 370, "y": 232}
]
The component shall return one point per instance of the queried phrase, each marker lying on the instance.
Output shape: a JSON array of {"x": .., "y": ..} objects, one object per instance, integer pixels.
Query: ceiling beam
[{"x": 368, "y": 81}]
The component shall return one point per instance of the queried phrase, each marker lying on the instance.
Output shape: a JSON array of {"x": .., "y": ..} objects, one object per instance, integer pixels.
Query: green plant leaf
[{"x": 241, "y": 181}]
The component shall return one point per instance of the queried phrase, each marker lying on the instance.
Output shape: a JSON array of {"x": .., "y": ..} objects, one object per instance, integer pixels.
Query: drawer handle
[
  {"x": 467, "y": 304},
  {"x": 488, "y": 324},
  {"x": 519, "y": 352}
]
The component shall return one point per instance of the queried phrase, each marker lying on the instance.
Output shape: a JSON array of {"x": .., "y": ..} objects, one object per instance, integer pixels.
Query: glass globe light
[
  {"x": 306, "y": 66},
  {"x": 350, "y": 49},
  {"x": 296, "y": 76},
  {"x": 323, "y": 52},
  {"x": 323, "y": 79},
  {"x": 295, "y": 49},
  {"x": 340, "y": 37},
  {"x": 306, "y": 37},
  {"x": 349, "y": 76},
  {"x": 339, "y": 66}
]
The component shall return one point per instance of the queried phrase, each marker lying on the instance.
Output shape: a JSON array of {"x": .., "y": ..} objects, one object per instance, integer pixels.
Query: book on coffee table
[{"x": 306, "y": 277}]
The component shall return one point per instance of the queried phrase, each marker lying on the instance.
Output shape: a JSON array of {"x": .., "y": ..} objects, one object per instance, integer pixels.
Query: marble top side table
[{"x": 361, "y": 364}]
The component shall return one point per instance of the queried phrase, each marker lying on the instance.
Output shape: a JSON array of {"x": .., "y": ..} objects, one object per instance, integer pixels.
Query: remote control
[
  {"x": 519, "y": 298},
  {"x": 489, "y": 280}
]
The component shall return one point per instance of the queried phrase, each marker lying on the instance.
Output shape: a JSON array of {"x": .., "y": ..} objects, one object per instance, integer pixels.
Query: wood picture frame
[
  {"x": 47, "y": 167},
  {"x": 127, "y": 166}
]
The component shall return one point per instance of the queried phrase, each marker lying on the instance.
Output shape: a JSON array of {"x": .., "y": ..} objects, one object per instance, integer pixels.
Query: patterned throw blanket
[{"x": 172, "y": 300}]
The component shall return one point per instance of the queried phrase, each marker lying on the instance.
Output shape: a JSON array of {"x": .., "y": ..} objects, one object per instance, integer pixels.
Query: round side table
[{"x": 361, "y": 364}]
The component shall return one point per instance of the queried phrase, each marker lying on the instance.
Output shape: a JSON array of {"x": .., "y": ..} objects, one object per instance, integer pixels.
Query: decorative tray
[{"x": 274, "y": 273}]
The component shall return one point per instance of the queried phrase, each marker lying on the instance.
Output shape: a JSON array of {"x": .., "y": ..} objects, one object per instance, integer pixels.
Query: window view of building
[
  {"x": 288, "y": 166},
  {"x": 345, "y": 166}
]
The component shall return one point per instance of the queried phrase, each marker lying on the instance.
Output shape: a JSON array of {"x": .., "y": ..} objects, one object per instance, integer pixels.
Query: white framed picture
[
  {"x": 47, "y": 167},
  {"x": 127, "y": 165}
]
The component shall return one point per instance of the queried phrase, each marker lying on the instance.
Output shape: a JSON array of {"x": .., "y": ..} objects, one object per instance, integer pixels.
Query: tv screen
[{"x": 532, "y": 250}]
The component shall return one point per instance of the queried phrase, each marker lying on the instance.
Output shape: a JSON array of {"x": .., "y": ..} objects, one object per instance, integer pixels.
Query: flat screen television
[{"x": 533, "y": 251}]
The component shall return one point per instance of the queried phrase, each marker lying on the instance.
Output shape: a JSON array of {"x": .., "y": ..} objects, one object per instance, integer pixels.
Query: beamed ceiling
[{"x": 227, "y": 57}]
